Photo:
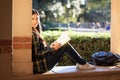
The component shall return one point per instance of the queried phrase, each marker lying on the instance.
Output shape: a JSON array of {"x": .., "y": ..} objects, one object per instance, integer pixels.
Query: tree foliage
[
  {"x": 99, "y": 10},
  {"x": 73, "y": 10}
]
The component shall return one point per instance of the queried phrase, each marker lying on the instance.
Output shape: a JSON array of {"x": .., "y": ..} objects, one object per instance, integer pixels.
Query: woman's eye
[
  {"x": 36, "y": 18},
  {"x": 32, "y": 18}
]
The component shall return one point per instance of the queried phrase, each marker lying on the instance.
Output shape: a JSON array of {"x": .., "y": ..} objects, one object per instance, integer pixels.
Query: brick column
[
  {"x": 22, "y": 33},
  {"x": 115, "y": 26},
  {"x": 5, "y": 40}
]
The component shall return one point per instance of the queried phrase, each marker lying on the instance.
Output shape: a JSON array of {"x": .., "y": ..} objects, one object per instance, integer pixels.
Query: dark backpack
[{"x": 103, "y": 58}]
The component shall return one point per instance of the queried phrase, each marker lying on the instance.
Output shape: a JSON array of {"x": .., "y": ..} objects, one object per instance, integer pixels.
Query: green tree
[
  {"x": 58, "y": 10},
  {"x": 73, "y": 10},
  {"x": 97, "y": 10}
]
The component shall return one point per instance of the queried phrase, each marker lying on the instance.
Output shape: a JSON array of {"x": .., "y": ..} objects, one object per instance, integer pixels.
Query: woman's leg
[
  {"x": 74, "y": 54},
  {"x": 52, "y": 59}
]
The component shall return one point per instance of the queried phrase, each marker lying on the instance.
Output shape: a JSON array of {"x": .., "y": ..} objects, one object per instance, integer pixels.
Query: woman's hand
[{"x": 55, "y": 46}]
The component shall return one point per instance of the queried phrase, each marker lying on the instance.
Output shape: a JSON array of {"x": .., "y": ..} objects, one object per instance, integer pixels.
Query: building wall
[
  {"x": 15, "y": 38},
  {"x": 5, "y": 40},
  {"x": 115, "y": 26},
  {"x": 21, "y": 34}
]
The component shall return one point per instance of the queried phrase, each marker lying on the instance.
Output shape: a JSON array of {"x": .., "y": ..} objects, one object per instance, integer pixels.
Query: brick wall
[
  {"x": 5, "y": 59},
  {"x": 22, "y": 43},
  {"x": 22, "y": 59},
  {"x": 5, "y": 46}
]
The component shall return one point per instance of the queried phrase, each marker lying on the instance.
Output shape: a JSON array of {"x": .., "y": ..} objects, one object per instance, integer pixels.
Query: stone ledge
[{"x": 71, "y": 73}]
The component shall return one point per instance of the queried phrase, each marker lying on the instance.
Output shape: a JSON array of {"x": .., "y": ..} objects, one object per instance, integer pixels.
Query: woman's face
[{"x": 34, "y": 20}]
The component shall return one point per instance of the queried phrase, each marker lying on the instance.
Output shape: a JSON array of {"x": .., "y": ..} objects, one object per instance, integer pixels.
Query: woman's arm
[{"x": 38, "y": 47}]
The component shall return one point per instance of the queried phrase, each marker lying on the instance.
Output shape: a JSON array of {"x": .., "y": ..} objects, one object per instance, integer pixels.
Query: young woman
[{"x": 45, "y": 57}]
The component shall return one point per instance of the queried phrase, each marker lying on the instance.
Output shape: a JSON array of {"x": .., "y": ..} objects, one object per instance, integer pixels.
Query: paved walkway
[{"x": 86, "y": 29}]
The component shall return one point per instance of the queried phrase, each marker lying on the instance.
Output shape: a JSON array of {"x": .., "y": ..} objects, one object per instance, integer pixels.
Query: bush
[{"x": 85, "y": 43}]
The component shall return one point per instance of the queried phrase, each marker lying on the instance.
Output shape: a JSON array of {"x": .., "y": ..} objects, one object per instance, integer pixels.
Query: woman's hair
[{"x": 34, "y": 11}]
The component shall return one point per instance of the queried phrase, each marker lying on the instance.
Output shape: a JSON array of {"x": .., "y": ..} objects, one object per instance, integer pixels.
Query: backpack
[{"x": 103, "y": 58}]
